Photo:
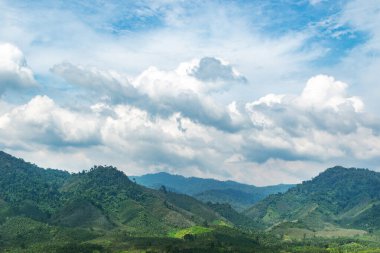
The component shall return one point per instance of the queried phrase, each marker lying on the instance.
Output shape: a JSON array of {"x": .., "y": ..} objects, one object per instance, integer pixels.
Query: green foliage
[
  {"x": 21, "y": 181},
  {"x": 338, "y": 197},
  {"x": 81, "y": 213},
  {"x": 230, "y": 214},
  {"x": 101, "y": 210},
  {"x": 239, "y": 196},
  {"x": 99, "y": 202},
  {"x": 195, "y": 230}
]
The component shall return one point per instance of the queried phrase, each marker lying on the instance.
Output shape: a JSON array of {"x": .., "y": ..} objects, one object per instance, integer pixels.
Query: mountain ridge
[
  {"x": 337, "y": 198},
  {"x": 238, "y": 195},
  {"x": 101, "y": 198},
  {"x": 103, "y": 210}
]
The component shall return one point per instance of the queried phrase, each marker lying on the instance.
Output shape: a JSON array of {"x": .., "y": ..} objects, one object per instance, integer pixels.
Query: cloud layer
[
  {"x": 318, "y": 124},
  {"x": 184, "y": 90},
  {"x": 171, "y": 120},
  {"x": 113, "y": 82}
]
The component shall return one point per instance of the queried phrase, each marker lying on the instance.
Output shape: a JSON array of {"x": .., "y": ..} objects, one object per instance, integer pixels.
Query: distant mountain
[
  {"x": 239, "y": 196},
  {"x": 338, "y": 198}
]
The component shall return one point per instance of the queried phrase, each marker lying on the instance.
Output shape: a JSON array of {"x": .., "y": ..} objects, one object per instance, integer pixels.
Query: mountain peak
[
  {"x": 339, "y": 171},
  {"x": 337, "y": 196},
  {"x": 106, "y": 176},
  {"x": 100, "y": 170}
]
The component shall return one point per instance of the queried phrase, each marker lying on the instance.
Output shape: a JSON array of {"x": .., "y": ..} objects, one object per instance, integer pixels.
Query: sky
[{"x": 260, "y": 92}]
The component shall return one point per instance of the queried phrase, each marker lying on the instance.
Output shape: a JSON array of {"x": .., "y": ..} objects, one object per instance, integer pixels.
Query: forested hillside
[
  {"x": 338, "y": 198},
  {"x": 102, "y": 210},
  {"x": 93, "y": 204}
]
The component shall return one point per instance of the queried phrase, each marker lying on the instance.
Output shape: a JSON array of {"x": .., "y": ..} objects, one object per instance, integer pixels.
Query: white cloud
[
  {"x": 185, "y": 30},
  {"x": 315, "y": 125},
  {"x": 121, "y": 135},
  {"x": 14, "y": 71},
  {"x": 290, "y": 137},
  {"x": 360, "y": 65},
  {"x": 324, "y": 92},
  {"x": 108, "y": 84},
  {"x": 42, "y": 122},
  {"x": 181, "y": 119},
  {"x": 275, "y": 171},
  {"x": 182, "y": 90}
]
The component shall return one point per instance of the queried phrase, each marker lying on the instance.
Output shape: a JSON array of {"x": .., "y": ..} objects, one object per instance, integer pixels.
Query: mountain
[
  {"x": 239, "y": 196},
  {"x": 39, "y": 205},
  {"x": 337, "y": 199},
  {"x": 101, "y": 198},
  {"x": 102, "y": 210},
  {"x": 31, "y": 190}
]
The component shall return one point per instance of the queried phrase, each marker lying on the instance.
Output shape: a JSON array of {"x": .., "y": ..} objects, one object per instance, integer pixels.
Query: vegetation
[
  {"x": 102, "y": 210},
  {"x": 337, "y": 202},
  {"x": 190, "y": 232},
  {"x": 239, "y": 196}
]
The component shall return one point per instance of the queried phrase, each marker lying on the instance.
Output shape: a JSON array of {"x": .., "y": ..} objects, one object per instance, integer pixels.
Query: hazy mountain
[
  {"x": 238, "y": 195},
  {"x": 337, "y": 198}
]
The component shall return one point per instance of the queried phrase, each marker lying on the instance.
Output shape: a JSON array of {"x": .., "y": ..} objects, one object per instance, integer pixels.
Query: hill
[
  {"x": 337, "y": 199},
  {"x": 239, "y": 196},
  {"x": 102, "y": 198},
  {"x": 102, "y": 210},
  {"x": 32, "y": 191},
  {"x": 44, "y": 205}
]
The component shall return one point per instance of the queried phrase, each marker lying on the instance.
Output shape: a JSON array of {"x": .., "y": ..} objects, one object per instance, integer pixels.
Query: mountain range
[
  {"x": 239, "y": 196},
  {"x": 103, "y": 210},
  {"x": 38, "y": 205}
]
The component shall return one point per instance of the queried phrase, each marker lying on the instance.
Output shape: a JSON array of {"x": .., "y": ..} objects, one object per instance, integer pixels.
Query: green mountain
[
  {"x": 239, "y": 196},
  {"x": 39, "y": 206},
  {"x": 339, "y": 199},
  {"x": 30, "y": 190},
  {"x": 101, "y": 198},
  {"x": 102, "y": 210}
]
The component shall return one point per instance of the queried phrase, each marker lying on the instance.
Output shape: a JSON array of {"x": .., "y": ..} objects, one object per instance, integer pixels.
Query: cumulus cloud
[
  {"x": 211, "y": 69},
  {"x": 105, "y": 130},
  {"x": 108, "y": 85},
  {"x": 14, "y": 71},
  {"x": 314, "y": 125},
  {"x": 181, "y": 119},
  {"x": 183, "y": 90},
  {"x": 321, "y": 124},
  {"x": 42, "y": 121},
  {"x": 323, "y": 92}
]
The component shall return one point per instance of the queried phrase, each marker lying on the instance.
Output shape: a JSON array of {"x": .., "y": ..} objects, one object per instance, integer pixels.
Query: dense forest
[{"x": 102, "y": 210}]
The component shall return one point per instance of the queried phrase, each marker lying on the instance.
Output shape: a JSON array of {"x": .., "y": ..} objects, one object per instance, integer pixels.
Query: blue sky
[{"x": 261, "y": 92}]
